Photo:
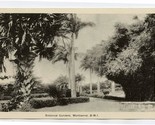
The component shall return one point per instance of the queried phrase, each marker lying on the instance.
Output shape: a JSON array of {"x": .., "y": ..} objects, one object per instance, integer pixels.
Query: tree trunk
[
  {"x": 72, "y": 67},
  {"x": 112, "y": 87},
  {"x": 24, "y": 81},
  {"x": 98, "y": 86},
  {"x": 69, "y": 79},
  {"x": 91, "y": 88},
  {"x": 80, "y": 88}
]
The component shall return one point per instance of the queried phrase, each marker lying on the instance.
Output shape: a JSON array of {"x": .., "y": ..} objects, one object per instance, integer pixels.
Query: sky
[{"x": 88, "y": 37}]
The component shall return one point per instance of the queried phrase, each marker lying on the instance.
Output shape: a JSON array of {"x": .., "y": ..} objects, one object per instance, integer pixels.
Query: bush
[
  {"x": 43, "y": 102},
  {"x": 52, "y": 90},
  {"x": 39, "y": 95},
  {"x": 63, "y": 101}
]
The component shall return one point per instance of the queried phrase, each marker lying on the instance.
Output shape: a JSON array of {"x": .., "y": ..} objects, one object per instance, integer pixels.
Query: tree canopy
[{"x": 128, "y": 58}]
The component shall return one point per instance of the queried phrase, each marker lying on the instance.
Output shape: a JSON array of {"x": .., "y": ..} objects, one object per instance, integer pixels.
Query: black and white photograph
[{"x": 77, "y": 62}]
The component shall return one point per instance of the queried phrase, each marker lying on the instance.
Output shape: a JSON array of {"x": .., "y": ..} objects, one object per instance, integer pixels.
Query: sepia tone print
[{"x": 71, "y": 62}]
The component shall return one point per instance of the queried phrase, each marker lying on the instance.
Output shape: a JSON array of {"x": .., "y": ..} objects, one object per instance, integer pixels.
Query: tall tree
[
  {"x": 63, "y": 53},
  {"x": 74, "y": 26},
  {"x": 93, "y": 62},
  {"x": 87, "y": 63}
]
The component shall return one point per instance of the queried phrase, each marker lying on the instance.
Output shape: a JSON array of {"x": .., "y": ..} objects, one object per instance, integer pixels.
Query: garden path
[{"x": 95, "y": 105}]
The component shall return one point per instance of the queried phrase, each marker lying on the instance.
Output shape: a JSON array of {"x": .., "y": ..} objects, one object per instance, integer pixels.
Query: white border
[{"x": 77, "y": 3}]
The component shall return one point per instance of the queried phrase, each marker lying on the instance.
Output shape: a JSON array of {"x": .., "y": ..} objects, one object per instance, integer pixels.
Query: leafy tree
[
  {"x": 29, "y": 35},
  {"x": 128, "y": 58},
  {"x": 61, "y": 80}
]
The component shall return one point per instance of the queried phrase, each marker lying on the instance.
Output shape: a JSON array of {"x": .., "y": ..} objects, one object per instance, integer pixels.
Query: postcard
[{"x": 86, "y": 63}]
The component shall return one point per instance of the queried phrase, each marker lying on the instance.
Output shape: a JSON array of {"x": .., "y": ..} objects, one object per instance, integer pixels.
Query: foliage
[
  {"x": 57, "y": 88},
  {"x": 104, "y": 86},
  {"x": 79, "y": 78},
  {"x": 43, "y": 102},
  {"x": 39, "y": 95},
  {"x": 52, "y": 90},
  {"x": 26, "y": 107},
  {"x": 49, "y": 102},
  {"x": 61, "y": 80},
  {"x": 38, "y": 88},
  {"x": 128, "y": 58},
  {"x": 75, "y": 24},
  {"x": 6, "y": 91},
  {"x": 29, "y": 36}
]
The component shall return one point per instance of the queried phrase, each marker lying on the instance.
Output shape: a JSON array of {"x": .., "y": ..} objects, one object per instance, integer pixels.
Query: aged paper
[{"x": 77, "y": 63}]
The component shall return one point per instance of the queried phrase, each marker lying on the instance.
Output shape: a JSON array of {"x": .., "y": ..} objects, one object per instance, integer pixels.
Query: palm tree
[
  {"x": 62, "y": 53},
  {"x": 100, "y": 60},
  {"x": 88, "y": 64},
  {"x": 74, "y": 26},
  {"x": 97, "y": 50},
  {"x": 92, "y": 61},
  {"x": 29, "y": 35},
  {"x": 78, "y": 79}
]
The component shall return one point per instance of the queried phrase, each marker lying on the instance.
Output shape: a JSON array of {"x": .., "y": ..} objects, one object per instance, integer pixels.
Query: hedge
[
  {"x": 43, "y": 102},
  {"x": 40, "y": 95},
  {"x": 37, "y": 103}
]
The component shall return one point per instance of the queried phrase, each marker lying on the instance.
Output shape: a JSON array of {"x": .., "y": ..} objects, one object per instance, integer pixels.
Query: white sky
[{"x": 88, "y": 37}]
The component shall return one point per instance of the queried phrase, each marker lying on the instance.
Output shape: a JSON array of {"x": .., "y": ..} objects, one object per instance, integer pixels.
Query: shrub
[
  {"x": 39, "y": 95},
  {"x": 63, "y": 101},
  {"x": 57, "y": 91},
  {"x": 43, "y": 102},
  {"x": 52, "y": 90}
]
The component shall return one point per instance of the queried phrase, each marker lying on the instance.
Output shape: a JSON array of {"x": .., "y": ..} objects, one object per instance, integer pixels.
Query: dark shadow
[{"x": 114, "y": 98}]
